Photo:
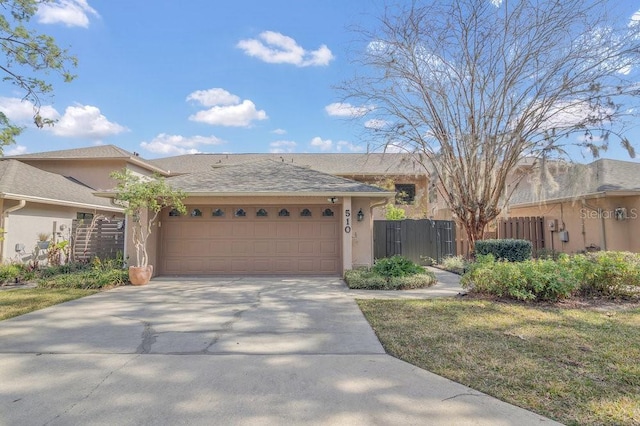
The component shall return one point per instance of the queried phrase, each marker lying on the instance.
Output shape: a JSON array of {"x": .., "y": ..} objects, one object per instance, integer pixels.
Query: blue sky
[{"x": 166, "y": 77}]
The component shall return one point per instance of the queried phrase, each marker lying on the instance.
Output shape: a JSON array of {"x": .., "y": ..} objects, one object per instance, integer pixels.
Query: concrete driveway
[{"x": 243, "y": 351}]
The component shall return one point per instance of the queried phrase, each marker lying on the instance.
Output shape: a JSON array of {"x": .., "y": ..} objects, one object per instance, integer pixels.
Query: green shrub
[
  {"x": 87, "y": 279},
  {"x": 457, "y": 264},
  {"x": 392, "y": 212},
  {"x": 370, "y": 280},
  {"x": 10, "y": 273},
  {"x": 606, "y": 273},
  {"x": 396, "y": 266},
  {"x": 506, "y": 249},
  {"x": 526, "y": 280}
]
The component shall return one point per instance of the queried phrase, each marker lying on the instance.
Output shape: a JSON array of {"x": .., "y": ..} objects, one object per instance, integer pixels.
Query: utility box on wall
[
  {"x": 552, "y": 224},
  {"x": 564, "y": 236}
]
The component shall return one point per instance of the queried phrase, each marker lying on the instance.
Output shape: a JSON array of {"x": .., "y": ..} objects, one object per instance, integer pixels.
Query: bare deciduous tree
[{"x": 474, "y": 86}]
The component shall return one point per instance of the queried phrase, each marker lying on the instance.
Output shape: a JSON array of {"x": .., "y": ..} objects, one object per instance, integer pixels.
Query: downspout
[
  {"x": 603, "y": 234},
  {"x": 5, "y": 215}
]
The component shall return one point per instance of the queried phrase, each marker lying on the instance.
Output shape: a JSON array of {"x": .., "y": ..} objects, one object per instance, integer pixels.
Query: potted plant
[
  {"x": 43, "y": 241},
  {"x": 143, "y": 198}
]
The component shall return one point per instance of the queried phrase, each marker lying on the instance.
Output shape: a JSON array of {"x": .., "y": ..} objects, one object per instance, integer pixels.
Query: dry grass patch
[
  {"x": 577, "y": 366},
  {"x": 22, "y": 301}
]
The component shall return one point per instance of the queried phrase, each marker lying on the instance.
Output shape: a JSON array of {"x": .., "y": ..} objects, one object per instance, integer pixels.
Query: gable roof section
[
  {"x": 104, "y": 152},
  {"x": 336, "y": 164},
  {"x": 19, "y": 181},
  {"x": 583, "y": 180},
  {"x": 269, "y": 177}
]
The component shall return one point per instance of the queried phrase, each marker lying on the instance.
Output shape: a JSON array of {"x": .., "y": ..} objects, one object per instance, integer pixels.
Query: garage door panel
[
  {"x": 288, "y": 229},
  {"x": 219, "y": 229},
  {"x": 306, "y": 247},
  {"x": 252, "y": 245},
  {"x": 328, "y": 247},
  {"x": 262, "y": 248}
]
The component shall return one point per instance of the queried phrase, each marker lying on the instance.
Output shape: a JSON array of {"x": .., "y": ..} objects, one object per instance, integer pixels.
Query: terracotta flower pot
[{"x": 140, "y": 275}]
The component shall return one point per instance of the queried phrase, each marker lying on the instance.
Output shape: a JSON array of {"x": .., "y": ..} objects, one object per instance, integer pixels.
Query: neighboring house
[
  {"x": 586, "y": 207},
  {"x": 44, "y": 192},
  {"x": 35, "y": 201}
]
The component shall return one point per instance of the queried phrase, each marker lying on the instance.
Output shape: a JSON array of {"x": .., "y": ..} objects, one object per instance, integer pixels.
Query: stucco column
[{"x": 347, "y": 228}]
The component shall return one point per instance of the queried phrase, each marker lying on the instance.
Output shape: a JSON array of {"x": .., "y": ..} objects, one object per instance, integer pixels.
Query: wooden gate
[{"x": 101, "y": 238}]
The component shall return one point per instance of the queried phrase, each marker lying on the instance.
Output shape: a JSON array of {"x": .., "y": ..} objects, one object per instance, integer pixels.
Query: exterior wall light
[{"x": 360, "y": 215}]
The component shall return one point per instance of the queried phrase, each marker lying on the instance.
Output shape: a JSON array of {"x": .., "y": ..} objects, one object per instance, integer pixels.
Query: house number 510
[{"x": 347, "y": 216}]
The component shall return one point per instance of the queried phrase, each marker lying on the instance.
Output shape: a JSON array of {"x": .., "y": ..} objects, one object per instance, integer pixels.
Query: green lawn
[
  {"x": 21, "y": 301},
  {"x": 577, "y": 366}
]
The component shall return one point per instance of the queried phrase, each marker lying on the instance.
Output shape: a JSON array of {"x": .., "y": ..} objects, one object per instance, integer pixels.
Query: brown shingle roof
[
  {"x": 269, "y": 177},
  {"x": 91, "y": 153},
  {"x": 21, "y": 181},
  {"x": 335, "y": 164}
]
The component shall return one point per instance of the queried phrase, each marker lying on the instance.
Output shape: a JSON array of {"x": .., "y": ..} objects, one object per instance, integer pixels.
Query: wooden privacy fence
[
  {"x": 414, "y": 239},
  {"x": 524, "y": 228},
  {"x": 104, "y": 240}
]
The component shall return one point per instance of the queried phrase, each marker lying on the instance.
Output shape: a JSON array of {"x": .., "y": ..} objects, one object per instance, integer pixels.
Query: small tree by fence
[
  {"x": 97, "y": 238},
  {"x": 414, "y": 239}
]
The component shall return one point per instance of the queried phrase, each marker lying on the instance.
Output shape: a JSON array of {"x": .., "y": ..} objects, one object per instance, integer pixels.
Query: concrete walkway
[{"x": 234, "y": 351}]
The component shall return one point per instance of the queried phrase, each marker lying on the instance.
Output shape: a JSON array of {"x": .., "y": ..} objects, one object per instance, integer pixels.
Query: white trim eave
[
  {"x": 51, "y": 201},
  {"x": 591, "y": 196}
]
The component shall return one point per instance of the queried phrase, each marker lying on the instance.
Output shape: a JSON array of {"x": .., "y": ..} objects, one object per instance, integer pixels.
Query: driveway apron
[{"x": 222, "y": 351}]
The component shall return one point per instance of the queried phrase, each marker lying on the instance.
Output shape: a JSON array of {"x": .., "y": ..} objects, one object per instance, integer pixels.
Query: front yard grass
[
  {"x": 21, "y": 301},
  {"x": 577, "y": 366}
]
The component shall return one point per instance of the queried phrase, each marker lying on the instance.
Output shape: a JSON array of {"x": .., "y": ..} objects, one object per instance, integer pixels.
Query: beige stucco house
[
  {"x": 44, "y": 192},
  {"x": 592, "y": 206},
  {"x": 248, "y": 213}
]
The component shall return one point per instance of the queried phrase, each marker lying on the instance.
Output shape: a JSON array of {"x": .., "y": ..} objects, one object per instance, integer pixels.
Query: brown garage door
[{"x": 252, "y": 240}]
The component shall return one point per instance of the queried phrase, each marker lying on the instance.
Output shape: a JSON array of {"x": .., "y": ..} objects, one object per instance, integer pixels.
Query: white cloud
[
  {"x": 72, "y": 13},
  {"x": 85, "y": 121},
  {"x": 282, "y": 146},
  {"x": 279, "y": 132},
  {"x": 340, "y": 109},
  {"x": 375, "y": 123},
  {"x": 226, "y": 109},
  {"x": 322, "y": 144},
  {"x": 276, "y": 48},
  {"x": 213, "y": 97},
  {"x": 568, "y": 114},
  {"x": 16, "y": 150},
  {"x": 22, "y": 111},
  {"x": 241, "y": 115},
  {"x": 635, "y": 19},
  {"x": 177, "y": 145},
  {"x": 496, "y": 3},
  {"x": 348, "y": 146}
]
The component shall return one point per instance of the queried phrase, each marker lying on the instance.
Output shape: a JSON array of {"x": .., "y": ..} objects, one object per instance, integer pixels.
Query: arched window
[
  {"x": 262, "y": 213},
  {"x": 283, "y": 213},
  {"x": 240, "y": 213},
  {"x": 174, "y": 212},
  {"x": 305, "y": 213},
  {"x": 217, "y": 213},
  {"x": 196, "y": 213},
  {"x": 327, "y": 212}
]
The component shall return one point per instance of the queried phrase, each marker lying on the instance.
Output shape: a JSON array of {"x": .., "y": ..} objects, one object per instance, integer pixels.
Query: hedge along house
[{"x": 266, "y": 218}]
